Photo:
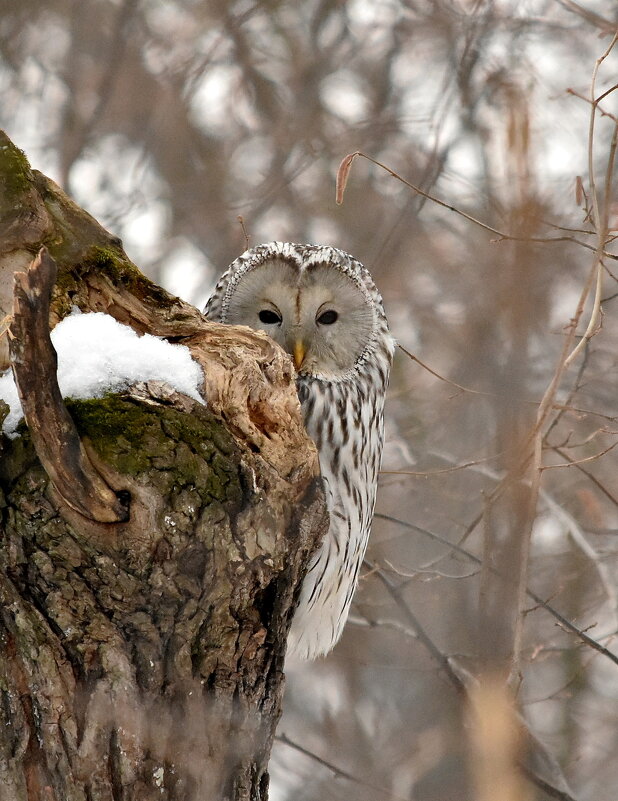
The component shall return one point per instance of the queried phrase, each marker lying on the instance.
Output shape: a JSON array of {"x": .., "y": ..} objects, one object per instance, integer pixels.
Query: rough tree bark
[{"x": 150, "y": 547}]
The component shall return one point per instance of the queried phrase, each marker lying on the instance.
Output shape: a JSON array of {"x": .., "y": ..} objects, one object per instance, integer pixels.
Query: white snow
[{"x": 98, "y": 355}]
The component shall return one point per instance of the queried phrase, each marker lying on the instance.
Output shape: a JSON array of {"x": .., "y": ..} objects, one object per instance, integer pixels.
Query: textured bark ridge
[{"x": 142, "y": 658}]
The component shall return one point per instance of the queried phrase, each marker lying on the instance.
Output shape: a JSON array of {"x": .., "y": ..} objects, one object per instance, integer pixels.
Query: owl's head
[{"x": 318, "y": 303}]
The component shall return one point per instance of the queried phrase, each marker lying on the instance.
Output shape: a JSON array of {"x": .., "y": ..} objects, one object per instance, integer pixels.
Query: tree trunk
[{"x": 150, "y": 547}]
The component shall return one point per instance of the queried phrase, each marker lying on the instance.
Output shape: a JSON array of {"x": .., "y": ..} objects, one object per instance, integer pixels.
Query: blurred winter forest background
[{"x": 169, "y": 119}]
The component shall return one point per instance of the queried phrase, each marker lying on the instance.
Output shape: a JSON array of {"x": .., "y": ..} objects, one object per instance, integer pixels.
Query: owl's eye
[
  {"x": 328, "y": 317},
  {"x": 269, "y": 317}
]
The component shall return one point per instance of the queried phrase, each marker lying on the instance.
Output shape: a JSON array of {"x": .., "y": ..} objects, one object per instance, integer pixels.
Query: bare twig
[
  {"x": 601, "y": 111},
  {"x": 605, "y": 25},
  {"x": 589, "y": 475},
  {"x": 342, "y": 178},
  {"x": 241, "y": 220},
  {"x": 441, "y": 377},
  {"x": 338, "y": 772},
  {"x": 600, "y": 216},
  {"x": 556, "y": 406},
  {"x": 427, "y": 569},
  {"x": 579, "y": 538},
  {"x": 439, "y": 471},
  {"x": 422, "y": 635},
  {"x": 575, "y": 463},
  {"x": 568, "y": 626},
  {"x": 445, "y": 664}
]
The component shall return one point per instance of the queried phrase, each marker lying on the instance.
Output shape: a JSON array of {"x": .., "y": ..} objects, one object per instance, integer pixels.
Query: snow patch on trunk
[{"x": 98, "y": 355}]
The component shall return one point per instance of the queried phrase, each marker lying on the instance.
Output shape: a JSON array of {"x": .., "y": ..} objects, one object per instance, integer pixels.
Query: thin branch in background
[
  {"x": 604, "y": 25},
  {"x": 343, "y": 174},
  {"x": 413, "y": 621},
  {"x": 611, "y": 418},
  {"x": 443, "y": 470},
  {"x": 574, "y": 388},
  {"x": 589, "y": 475},
  {"x": 570, "y": 525},
  {"x": 456, "y": 681},
  {"x": 600, "y": 216},
  {"x": 550, "y": 224},
  {"x": 564, "y": 622},
  {"x": 81, "y": 133},
  {"x": 574, "y": 463},
  {"x": 583, "y": 443},
  {"x": 441, "y": 377},
  {"x": 367, "y": 621},
  {"x": 241, "y": 220},
  {"x": 338, "y": 772},
  {"x": 426, "y": 569},
  {"x": 601, "y": 111},
  {"x": 565, "y": 406},
  {"x": 576, "y": 533}
]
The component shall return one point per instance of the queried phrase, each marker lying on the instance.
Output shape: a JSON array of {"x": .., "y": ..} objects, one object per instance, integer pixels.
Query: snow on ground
[{"x": 98, "y": 355}]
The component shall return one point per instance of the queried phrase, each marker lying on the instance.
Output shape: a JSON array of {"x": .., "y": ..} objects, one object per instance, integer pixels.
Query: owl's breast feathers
[{"x": 345, "y": 420}]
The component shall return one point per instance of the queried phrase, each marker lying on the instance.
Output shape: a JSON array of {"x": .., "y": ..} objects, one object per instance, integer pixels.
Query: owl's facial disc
[{"x": 319, "y": 316}]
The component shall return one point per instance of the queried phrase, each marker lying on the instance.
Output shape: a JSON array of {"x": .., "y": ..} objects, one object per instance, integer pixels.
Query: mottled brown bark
[{"x": 143, "y": 659}]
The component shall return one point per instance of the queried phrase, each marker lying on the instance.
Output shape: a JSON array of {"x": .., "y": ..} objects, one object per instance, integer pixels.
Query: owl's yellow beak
[{"x": 299, "y": 352}]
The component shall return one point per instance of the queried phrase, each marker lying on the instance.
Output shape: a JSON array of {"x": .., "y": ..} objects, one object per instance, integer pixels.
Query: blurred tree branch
[{"x": 566, "y": 624}]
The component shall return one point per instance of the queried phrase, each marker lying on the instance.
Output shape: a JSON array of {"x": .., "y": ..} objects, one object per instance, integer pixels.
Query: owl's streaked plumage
[{"x": 322, "y": 306}]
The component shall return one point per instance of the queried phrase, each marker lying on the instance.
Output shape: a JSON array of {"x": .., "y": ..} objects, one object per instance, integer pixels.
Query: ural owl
[{"x": 323, "y": 308}]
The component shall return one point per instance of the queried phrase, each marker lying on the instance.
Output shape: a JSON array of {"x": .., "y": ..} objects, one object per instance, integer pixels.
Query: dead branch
[
  {"x": 53, "y": 432},
  {"x": 604, "y": 25},
  {"x": 422, "y": 635},
  {"x": 576, "y": 462},
  {"x": 599, "y": 212}
]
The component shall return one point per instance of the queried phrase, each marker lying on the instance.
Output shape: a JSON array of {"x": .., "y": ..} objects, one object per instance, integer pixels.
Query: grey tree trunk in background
[{"x": 141, "y": 649}]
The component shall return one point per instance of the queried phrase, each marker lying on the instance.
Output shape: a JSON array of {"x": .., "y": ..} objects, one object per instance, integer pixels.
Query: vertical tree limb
[{"x": 53, "y": 432}]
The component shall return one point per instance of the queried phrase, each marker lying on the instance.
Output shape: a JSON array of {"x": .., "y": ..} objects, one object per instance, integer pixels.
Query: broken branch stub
[{"x": 53, "y": 432}]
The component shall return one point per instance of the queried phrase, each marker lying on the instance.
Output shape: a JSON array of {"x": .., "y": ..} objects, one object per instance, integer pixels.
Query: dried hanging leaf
[
  {"x": 342, "y": 175},
  {"x": 580, "y": 193}
]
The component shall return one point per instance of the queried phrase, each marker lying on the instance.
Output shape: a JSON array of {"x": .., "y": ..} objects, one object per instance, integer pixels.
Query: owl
[{"x": 323, "y": 308}]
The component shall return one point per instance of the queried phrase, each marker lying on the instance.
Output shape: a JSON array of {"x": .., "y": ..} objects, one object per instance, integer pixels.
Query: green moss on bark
[
  {"x": 15, "y": 170},
  {"x": 134, "y": 440},
  {"x": 109, "y": 260}
]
